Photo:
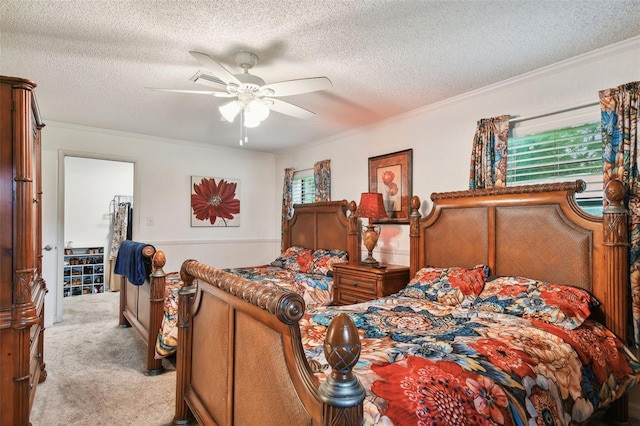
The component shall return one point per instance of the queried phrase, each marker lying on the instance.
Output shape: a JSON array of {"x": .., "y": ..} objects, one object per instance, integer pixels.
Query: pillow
[
  {"x": 287, "y": 256},
  {"x": 295, "y": 258},
  {"x": 563, "y": 305},
  {"x": 449, "y": 286},
  {"x": 324, "y": 259}
]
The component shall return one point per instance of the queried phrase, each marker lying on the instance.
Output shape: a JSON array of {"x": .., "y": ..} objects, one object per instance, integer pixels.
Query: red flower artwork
[
  {"x": 212, "y": 201},
  {"x": 388, "y": 177},
  {"x": 391, "y": 191}
]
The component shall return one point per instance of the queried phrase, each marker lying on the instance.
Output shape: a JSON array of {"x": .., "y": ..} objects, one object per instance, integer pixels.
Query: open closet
[{"x": 98, "y": 216}]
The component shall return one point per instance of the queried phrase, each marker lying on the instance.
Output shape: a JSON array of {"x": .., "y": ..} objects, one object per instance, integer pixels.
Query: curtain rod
[
  {"x": 303, "y": 170},
  {"x": 569, "y": 108}
]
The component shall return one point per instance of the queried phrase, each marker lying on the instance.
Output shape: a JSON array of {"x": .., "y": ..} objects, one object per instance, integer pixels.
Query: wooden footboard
[
  {"x": 142, "y": 307},
  {"x": 221, "y": 380}
]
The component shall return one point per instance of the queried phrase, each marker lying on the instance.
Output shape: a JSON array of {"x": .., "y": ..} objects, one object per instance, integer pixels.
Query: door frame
[{"x": 57, "y": 287}]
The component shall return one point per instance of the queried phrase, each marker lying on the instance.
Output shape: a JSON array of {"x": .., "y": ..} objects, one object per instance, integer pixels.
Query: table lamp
[{"x": 371, "y": 206}]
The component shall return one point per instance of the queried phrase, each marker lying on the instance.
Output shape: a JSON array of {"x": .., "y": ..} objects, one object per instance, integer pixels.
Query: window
[
  {"x": 304, "y": 187},
  {"x": 558, "y": 148}
]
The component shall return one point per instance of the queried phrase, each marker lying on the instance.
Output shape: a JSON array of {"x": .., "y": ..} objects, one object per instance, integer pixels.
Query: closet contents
[
  {"x": 121, "y": 207},
  {"x": 83, "y": 271}
]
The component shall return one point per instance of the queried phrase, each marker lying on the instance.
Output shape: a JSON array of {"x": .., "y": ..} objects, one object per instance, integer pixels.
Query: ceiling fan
[{"x": 253, "y": 97}]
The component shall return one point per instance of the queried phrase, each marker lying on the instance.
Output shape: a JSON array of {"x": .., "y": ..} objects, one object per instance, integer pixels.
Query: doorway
[{"x": 88, "y": 189}]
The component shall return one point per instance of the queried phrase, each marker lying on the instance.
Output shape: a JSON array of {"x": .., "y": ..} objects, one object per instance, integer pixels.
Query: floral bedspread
[
  {"x": 315, "y": 289},
  {"x": 168, "y": 337},
  {"x": 430, "y": 364}
]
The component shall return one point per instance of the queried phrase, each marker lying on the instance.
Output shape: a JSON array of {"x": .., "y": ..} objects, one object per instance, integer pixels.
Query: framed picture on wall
[
  {"x": 215, "y": 201},
  {"x": 391, "y": 175}
]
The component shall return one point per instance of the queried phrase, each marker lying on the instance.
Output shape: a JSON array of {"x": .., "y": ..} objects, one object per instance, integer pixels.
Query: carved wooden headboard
[
  {"x": 324, "y": 226},
  {"x": 534, "y": 231}
]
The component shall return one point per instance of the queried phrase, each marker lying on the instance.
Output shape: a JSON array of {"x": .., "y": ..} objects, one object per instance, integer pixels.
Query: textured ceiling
[{"x": 92, "y": 59}]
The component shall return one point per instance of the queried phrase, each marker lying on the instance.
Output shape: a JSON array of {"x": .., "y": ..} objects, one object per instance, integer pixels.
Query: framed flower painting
[
  {"x": 390, "y": 175},
  {"x": 215, "y": 201}
]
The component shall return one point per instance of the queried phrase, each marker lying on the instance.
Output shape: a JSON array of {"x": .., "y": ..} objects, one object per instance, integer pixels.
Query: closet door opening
[{"x": 98, "y": 205}]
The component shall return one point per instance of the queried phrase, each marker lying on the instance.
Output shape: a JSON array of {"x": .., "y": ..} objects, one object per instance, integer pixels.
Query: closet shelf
[{"x": 83, "y": 271}]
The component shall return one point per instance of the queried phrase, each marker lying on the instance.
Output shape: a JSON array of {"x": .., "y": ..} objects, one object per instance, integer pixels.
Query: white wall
[
  {"x": 441, "y": 134},
  {"x": 89, "y": 188},
  {"x": 163, "y": 170}
]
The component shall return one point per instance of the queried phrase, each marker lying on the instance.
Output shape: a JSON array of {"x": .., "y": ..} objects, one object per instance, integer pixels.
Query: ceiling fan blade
[
  {"x": 197, "y": 92},
  {"x": 289, "y": 109},
  {"x": 218, "y": 70},
  {"x": 295, "y": 87},
  {"x": 210, "y": 80}
]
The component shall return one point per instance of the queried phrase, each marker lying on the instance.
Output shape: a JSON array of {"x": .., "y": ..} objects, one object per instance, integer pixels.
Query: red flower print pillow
[
  {"x": 449, "y": 286},
  {"x": 563, "y": 305},
  {"x": 324, "y": 259},
  {"x": 295, "y": 258}
]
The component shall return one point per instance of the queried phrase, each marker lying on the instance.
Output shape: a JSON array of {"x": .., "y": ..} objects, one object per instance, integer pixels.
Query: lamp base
[
  {"x": 370, "y": 261},
  {"x": 370, "y": 238}
]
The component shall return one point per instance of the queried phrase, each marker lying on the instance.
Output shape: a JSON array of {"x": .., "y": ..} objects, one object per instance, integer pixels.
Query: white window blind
[
  {"x": 558, "y": 148},
  {"x": 304, "y": 187}
]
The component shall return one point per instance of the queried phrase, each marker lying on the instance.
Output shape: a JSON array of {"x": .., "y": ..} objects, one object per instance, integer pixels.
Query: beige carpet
[{"x": 95, "y": 371}]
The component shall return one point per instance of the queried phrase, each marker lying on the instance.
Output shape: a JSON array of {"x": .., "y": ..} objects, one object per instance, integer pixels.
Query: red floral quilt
[
  {"x": 426, "y": 363},
  {"x": 315, "y": 289},
  {"x": 168, "y": 337}
]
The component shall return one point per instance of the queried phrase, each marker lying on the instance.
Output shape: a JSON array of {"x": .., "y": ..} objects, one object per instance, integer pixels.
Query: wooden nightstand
[{"x": 355, "y": 282}]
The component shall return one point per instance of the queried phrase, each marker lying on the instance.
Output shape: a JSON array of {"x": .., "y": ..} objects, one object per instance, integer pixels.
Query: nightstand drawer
[
  {"x": 351, "y": 298},
  {"x": 348, "y": 281}
]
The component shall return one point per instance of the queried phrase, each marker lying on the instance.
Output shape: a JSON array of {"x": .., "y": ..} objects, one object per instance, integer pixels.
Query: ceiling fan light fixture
[
  {"x": 250, "y": 121},
  {"x": 230, "y": 110},
  {"x": 256, "y": 111},
  {"x": 253, "y": 98}
]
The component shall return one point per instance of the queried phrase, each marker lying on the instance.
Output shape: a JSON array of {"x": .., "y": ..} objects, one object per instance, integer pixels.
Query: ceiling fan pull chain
[
  {"x": 241, "y": 126},
  {"x": 243, "y": 130}
]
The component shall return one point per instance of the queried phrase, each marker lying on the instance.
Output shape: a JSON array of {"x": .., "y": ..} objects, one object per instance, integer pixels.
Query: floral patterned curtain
[
  {"x": 322, "y": 180},
  {"x": 489, "y": 153},
  {"x": 619, "y": 114},
  {"x": 287, "y": 202}
]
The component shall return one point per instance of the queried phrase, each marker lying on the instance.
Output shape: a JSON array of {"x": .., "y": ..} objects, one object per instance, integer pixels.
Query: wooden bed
[
  {"x": 323, "y": 225},
  {"x": 240, "y": 358},
  {"x": 142, "y": 306}
]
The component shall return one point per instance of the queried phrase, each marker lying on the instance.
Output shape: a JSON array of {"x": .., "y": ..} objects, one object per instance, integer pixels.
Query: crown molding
[{"x": 585, "y": 58}]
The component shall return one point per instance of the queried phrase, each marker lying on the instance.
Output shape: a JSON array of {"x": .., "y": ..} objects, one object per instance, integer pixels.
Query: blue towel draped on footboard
[{"x": 131, "y": 263}]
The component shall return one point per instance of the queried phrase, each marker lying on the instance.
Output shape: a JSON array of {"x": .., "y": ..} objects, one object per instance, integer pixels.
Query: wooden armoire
[{"x": 22, "y": 288}]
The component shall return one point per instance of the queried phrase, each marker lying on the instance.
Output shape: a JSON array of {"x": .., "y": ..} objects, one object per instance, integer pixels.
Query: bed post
[
  {"x": 617, "y": 259},
  {"x": 414, "y": 236},
  {"x": 186, "y": 294},
  {"x": 122, "y": 320},
  {"x": 616, "y": 245},
  {"x": 156, "y": 311},
  {"x": 342, "y": 393},
  {"x": 353, "y": 234}
]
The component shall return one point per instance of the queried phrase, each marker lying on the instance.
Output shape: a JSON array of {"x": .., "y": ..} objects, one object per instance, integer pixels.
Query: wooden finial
[
  {"x": 415, "y": 205},
  {"x": 614, "y": 192},
  {"x": 352, "y": 208},
  {"x": 342, "y": 393}
]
